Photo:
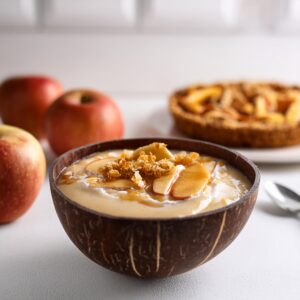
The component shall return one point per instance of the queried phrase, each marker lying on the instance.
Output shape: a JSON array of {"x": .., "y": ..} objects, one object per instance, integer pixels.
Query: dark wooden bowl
[{"x": 150, "y": 248}]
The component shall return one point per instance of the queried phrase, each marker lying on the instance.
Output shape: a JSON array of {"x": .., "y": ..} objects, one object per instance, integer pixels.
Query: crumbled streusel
[
  {"x": 146, "y": 165},
  {"x": 182, "y": 158},
  {"x": 138, "y": 166}
]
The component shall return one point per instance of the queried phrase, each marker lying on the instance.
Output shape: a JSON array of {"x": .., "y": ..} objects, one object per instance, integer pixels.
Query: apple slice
[
  {"x": 260, "y": 107},
  {"x": 191, "y": 181},
  {"x": 209, "y": 165},
  {"x": 115, "y": 184},
  {"x": 97, "y": 164},
  {"x": 119, "y": 184},
  {"x": 275, "y": 118},
  {"x": 158, "y": 149},
  {"x": 162, "y": 185},
  {"x": 293, "y": 113},
  {"x": 203, "y": 94},
  {"x": 194, "y": 101}
]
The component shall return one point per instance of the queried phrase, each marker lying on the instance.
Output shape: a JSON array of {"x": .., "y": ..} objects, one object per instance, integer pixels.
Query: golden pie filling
[
  {"x": 152, "y": 182},
  {"x": 250, "y": 104}
]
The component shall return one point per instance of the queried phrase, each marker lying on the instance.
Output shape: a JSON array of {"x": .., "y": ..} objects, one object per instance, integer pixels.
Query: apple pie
[{"x": 239, "y": 114}]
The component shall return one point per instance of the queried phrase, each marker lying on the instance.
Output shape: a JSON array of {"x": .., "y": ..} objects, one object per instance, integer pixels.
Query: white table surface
[{"x": 38, "y": 261}]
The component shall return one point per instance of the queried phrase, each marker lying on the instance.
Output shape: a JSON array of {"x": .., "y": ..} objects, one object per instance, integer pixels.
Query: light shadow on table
[
  {"x": 69, "y": 275},
  {"x": 279, "y": 167},
  {"x": 271, "y": 209},
  {"x": 49, "y": 154},
  {"x": 268, "y": 207}
]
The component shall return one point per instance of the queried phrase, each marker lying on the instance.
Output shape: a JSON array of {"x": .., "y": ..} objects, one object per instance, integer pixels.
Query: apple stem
[{"x": 85, "y": 99}]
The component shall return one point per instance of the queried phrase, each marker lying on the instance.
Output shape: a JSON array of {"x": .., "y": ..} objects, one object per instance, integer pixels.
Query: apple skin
[
  {"x": 82, "y": 117},
  {"x": 22, "y": 172},
  {"x": 25, "y": 100}
]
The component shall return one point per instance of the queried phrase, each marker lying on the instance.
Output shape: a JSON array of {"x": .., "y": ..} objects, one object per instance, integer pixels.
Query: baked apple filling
[
  {"x": 152, "y": 181},
  {"x": 239, "y": 114},
  {"x": 245, "y": 102}
]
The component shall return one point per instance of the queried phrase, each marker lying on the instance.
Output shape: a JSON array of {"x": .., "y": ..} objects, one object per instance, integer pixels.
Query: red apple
[
  {"x": 82, "y": 117},
  {"x": 25, "y": 100},
  {"x": 22, "y": 172}
]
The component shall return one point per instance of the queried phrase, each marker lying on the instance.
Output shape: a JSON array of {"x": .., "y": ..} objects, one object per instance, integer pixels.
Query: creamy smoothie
[{"x": 152, "y": 182}]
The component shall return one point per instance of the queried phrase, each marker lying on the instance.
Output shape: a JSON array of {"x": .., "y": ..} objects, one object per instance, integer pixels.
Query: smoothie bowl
[{"x": 153, "y": 207}]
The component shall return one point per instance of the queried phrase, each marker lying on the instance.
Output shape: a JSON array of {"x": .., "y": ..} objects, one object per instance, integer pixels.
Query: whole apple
[
  {"x": 82, "y": 117},
  {"x": 22, "y": 172},
  {"x": 25, "y": 100}
]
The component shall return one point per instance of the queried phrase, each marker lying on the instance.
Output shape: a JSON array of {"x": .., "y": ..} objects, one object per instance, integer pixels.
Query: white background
[
  {"x": 149, "y": 64},
  {"x": 139, "y": 52}
]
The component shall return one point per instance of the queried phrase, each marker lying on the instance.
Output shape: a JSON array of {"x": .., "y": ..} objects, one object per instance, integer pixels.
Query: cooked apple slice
[
  {"x": 158, "y": 149},
  {"x": 162, "y": 185},
  {"x": 97, "y": 164},
  {"x": 294, "y": 94},
  {"x": 270, "y": 96},
  {"x": 209, "y": 166},
  {"x": 193, "y": 101},
  {"x": 203, "y": 94},
  {"x": 119, "y": 184},
  {"x": 260, "y": 107},
  {"x": 275, "y": 118},
  {"x": 191, "y": 181},
  {"x": 226, "y": 98},
  {"x": 293, "y": 113},
  {"x": 95, "y": 182},
  {"x": 247, "y": 108},
  {"x": 195, "y": 107}
]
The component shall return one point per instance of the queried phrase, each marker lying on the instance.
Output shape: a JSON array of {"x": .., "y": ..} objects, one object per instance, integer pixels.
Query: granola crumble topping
[
  {"x": 149, "y": 162},
  {"x": 151, "y": 177}
]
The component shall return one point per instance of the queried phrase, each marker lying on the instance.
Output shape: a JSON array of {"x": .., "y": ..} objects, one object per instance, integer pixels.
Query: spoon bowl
[{"x": 284, "y": 197}]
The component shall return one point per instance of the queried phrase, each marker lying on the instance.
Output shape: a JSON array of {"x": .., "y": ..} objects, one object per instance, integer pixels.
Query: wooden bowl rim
[{"x": 148, "y": 140}]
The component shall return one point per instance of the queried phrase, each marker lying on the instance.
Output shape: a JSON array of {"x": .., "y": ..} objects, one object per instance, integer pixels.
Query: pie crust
[{"x": 239, "y": 114}]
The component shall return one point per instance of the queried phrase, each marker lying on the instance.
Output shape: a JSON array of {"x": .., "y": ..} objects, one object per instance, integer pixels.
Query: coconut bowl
[{"x": 153, "y": 248}]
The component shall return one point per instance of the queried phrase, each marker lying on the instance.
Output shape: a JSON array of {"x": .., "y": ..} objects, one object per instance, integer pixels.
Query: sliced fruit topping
[
  {"x": 294, "y": 94},
  {"x": 231, "y": 112},
  {"x": 244, "y": 103},
  {"x": 260, "y": 107},
  {"x": 158, "y": 149},
  {"x": 191, "y": 181},
  {"x": 193, "y": 101},
  {"x": 209, "y": 165},
  {"x": 95, "y": 182},
  {"x": 162, "y": 185},
  {"x": 75, "y": 168},
  {"x": 195, "y": 107},
  {"x": 99, "y": 164},
  {"x": 293, "y": 113},
  {"x": 270, "y": 96},
  {"x": 274, "y": 117},
  {"x": 119, "y": 184},
  {"x": 203, "y": 94},
  {"x": 247, "y": 108},
  {"x": 217, "y": 114},
  {"x": 226, "y": 99}
]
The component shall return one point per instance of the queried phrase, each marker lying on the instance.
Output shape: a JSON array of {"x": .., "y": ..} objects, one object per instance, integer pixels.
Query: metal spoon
[{"x": 283, "y": 197}]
